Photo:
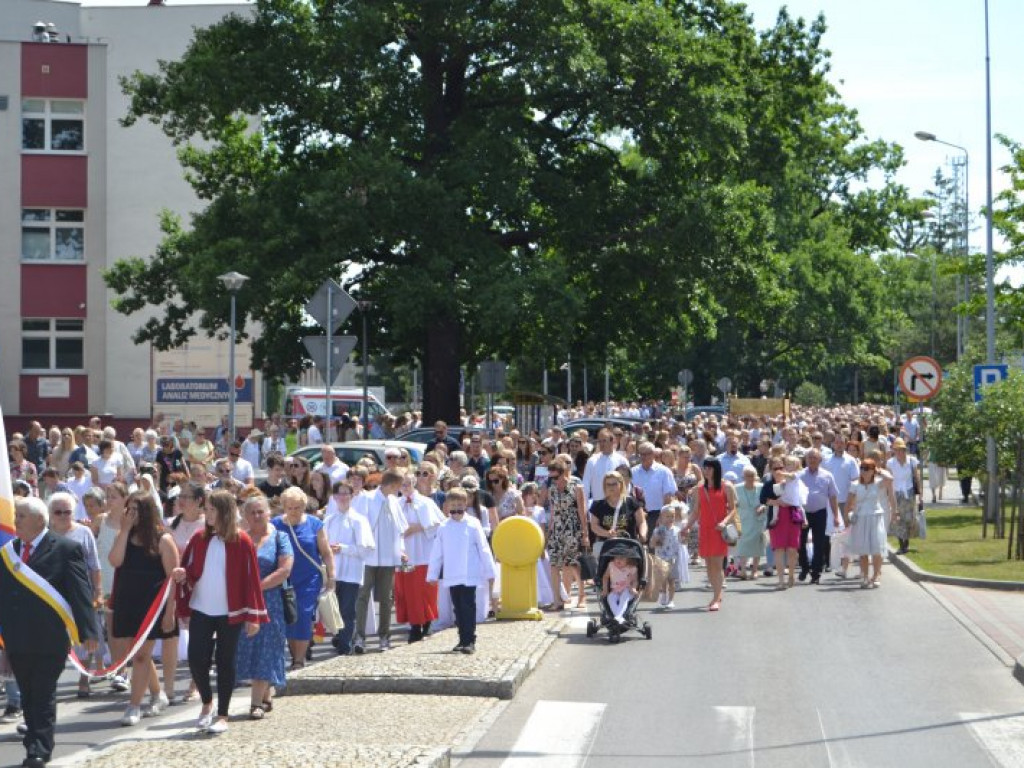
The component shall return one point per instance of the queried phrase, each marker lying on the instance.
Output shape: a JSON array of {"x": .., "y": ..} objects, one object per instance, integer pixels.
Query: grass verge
[{"x": 954, "y": 547}]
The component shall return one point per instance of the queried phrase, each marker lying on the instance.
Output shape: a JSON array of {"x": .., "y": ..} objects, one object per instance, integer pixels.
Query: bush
[{"x": 810, "y": 393}]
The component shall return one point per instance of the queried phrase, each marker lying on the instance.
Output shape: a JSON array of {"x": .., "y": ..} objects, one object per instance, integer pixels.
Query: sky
[{"x": 914, "y": 65}]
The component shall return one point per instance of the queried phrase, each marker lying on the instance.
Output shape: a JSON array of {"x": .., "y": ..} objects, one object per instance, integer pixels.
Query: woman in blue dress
[
  {"x": 313, "y": 564},
  {"x": 261, "y": 657}
]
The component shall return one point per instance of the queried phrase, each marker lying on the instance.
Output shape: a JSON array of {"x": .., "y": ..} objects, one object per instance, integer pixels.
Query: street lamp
[
  {"x": 364, "y": 307},
  {"x": 961, "y": 325},
  {"x": 233, "y": 281}
]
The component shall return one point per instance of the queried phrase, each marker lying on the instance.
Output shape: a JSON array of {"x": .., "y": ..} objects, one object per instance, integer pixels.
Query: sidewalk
[
  {"x": 400, "y": 709},
  {"x": 995, "y": 617}
]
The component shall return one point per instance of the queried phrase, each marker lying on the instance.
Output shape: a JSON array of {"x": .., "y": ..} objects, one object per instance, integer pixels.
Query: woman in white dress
[{"x": 865, "y": 511}]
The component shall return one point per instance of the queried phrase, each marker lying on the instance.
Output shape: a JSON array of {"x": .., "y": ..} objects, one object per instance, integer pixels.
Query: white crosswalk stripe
[
  {"x": 1001, "y": 736},
  {"x": 558, "y": 734}
]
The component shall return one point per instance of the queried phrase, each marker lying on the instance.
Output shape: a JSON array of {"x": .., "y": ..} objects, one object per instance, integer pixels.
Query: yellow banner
[{"x": 755, "y": 406}]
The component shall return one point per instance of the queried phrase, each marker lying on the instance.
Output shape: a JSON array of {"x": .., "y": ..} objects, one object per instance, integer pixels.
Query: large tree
[{"x": 498, "y": 177}]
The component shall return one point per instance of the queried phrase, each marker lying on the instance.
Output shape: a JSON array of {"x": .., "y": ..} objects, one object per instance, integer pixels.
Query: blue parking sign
[{"x": 988, "y": 374}]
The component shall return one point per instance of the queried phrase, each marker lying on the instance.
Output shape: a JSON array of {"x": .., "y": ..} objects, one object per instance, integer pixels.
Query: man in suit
[{"x": 35, "y": 637}]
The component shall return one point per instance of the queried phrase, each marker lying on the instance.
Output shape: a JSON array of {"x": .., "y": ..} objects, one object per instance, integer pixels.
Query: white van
[{"x": 309, "y": 401}]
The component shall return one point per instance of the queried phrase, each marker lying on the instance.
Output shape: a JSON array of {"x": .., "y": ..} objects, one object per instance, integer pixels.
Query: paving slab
[
  {"x": 357, "y": 731},
  {"x": 506, "y": 653}
]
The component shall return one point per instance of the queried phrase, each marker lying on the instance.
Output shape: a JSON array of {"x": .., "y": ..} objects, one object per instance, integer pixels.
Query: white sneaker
[
  {"x": 131, "y": 716},
  {"x": 670, "y": 604},
  {"x": 118, "y": 683},
  {"x": 205, "y": 721},
  {"x": 839, "y": 574},
  {"x": 218, "y": 726},
  {"x": 156, "y": 705}
]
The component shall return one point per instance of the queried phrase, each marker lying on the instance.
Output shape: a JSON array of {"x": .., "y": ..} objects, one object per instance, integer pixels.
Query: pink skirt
[{"x": 786, "y": 534}]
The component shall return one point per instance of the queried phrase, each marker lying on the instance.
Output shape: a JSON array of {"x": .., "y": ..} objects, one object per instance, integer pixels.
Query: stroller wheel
[
  {"x": 614, "y": 637},
  {"x": 591, "y": 628},
  {"x": 647, "y": 631}
]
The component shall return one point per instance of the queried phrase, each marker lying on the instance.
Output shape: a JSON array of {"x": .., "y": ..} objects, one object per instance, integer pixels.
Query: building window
[
  {"x": 52, "y": 234},
  {"x": 53, "y": 125},
  {"x": 52, "y": 345}
]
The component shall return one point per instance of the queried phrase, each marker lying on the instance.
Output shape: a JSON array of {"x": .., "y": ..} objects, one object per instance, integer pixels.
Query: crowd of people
[{"x": 188, "y": 555}]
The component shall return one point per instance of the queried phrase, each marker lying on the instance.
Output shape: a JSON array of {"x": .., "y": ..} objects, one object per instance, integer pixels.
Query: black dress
[{"x": 136, "y": 584}]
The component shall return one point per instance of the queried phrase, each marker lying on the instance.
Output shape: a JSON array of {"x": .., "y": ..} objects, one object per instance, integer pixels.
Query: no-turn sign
[{"x": 920, "y": 378}]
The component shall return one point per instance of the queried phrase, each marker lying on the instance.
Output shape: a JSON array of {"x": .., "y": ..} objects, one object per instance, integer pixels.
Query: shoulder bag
[
  {"x": 290, "y": 607},
  {"x": 327, "y": 603}
]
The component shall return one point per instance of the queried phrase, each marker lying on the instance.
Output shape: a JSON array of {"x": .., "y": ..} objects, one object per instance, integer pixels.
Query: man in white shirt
[
  {"x": 335, "y": 469},
  {"x": 274, "y": 442},
  {"x": 313, "y": 435},
  {"x": 241, "y": 469},
  {"x": 657, "y": 482},
  {"x": 251, "y": 448},
  {"x": 388, "y": 526},
  {"x": 845, "y": 471},
  {"x": 732, "y": 460},
  {"x": 350, "y": 539},
  {"x": 604, "y": 461}
]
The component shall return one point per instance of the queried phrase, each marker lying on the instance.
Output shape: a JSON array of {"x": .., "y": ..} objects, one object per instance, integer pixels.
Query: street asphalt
[{"x": 829, "y": 675}]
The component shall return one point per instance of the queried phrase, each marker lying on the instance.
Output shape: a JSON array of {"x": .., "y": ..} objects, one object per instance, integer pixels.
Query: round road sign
[{"x": 920, "y": 378}]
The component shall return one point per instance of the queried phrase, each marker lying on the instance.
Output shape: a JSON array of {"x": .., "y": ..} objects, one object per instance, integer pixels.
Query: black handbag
[
  {"x": 588, "y": 566},
  {"x": 289, "y": 605}
]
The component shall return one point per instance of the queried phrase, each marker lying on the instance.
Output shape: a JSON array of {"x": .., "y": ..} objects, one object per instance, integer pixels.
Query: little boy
[{"x": 461, "y": 560}]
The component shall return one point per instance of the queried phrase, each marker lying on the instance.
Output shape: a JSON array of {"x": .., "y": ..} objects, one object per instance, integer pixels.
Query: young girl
[
  {"x": 667, "y": 547},
  {"x": 619, "y": 585}
]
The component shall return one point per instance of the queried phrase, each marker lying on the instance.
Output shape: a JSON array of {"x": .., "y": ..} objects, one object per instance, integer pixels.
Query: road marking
[
  {"x": 740, "y": 722},
  {"x": 1001, "y": 736},
  {"x": 558, "y": 734}
]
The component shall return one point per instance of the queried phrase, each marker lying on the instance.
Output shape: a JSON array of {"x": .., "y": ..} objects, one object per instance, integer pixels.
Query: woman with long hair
[
  {"x": 567, "y": 535},
  {"x": 715, "y": 506},
  {"x": 219, "y": 592},
  {"x": 60, "y": 457},
  {"x": 143, "y": 556}
]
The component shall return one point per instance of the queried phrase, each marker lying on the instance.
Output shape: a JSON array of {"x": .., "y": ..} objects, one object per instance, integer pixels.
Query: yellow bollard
[{"x": 518, "y": 543}]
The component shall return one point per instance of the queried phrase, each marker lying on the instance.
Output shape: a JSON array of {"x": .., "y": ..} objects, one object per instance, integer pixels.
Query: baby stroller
[{"x": 616, "y": 628}]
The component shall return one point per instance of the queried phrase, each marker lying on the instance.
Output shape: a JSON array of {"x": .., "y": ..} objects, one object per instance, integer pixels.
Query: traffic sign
[
  {"x": 988, "y": 374},
  {"x": 342, "y": 305},
  {"x": 685, "y": 377},
  {"x": 921, "y": 378},
  {"x": 341, "y": 348},
  {"x": 492, "y": 377},
  {"x": 725, "y": 384}
]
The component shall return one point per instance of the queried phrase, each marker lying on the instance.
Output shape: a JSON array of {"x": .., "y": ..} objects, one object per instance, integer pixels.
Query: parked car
[
  {"x": 705, "y": 410},
  {"x": 424, "y": 435},
  {"x": 354, "y": 450},
  {"x": 596, "y": 424}
]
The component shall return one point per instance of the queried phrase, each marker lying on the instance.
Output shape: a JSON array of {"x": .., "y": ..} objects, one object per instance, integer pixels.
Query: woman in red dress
[{"x": 716, "y": 508}]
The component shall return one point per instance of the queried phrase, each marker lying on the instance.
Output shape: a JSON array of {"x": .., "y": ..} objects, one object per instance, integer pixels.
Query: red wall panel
[
  {"x": 53, "y": 290},
  {"x": 68, "y": 70},
  {"x": 54, "y": 181},
  {"x": 31, "y": 403}
]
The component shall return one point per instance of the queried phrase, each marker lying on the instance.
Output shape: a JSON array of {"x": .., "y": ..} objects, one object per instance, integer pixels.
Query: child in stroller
[{"x": 622, "y": 573}]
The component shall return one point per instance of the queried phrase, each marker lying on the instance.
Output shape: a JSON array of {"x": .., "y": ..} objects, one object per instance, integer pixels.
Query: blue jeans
[
  {"x": 464, "y": 605},
  {"x": 347, "y": 593},
  {"x": 13, "y": 693}
]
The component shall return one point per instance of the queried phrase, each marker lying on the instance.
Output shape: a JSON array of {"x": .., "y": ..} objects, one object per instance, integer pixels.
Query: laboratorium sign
[{"x": 201, "y": 390}]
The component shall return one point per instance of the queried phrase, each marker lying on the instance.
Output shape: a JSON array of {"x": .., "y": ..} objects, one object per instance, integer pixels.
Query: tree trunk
[{"x": 441, "y": 370}]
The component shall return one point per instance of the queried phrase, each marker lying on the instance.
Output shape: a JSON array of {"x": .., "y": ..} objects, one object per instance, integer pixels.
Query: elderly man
[
  {"x": 657, "y": 482},
  {"x": 822, "y": 496},
  {"x": 35, "y": 635},
  {"x": 335, "y": 469}
]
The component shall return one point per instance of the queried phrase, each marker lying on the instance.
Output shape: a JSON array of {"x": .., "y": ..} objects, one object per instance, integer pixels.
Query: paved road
[{"x": 816, "y": 676}]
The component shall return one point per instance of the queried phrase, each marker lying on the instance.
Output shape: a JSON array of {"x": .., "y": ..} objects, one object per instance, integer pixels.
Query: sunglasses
[
  {"x": 456, "y": 511},
  {"x": 60, "y": 512},
  {"x": 493, "y": 479},
  {"x": 422, "y": 474}
]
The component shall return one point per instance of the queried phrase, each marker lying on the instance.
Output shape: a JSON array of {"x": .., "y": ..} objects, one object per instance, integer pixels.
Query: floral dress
[
  {"x": 261, "y": 657},
  {"x": 565, "y": 536}
]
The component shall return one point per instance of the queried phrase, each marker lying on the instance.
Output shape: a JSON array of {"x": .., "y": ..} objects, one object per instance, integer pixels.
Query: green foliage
[
  {"x": 809, "y": 393},
  {"x": 649, "y": 181}
]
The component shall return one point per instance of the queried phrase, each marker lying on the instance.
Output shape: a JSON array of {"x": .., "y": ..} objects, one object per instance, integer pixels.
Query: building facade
[{"x": 78, "y": 192}]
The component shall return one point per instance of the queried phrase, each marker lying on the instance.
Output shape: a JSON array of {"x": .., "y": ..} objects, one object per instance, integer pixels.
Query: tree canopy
[{"x": 646, "y": 180}]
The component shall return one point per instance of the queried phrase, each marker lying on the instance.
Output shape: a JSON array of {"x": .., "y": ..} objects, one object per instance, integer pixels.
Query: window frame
[
  {"x": 48, "y": 116},
  {"x": 53, "y": 334},
  {"x": 53, "y": 226}
]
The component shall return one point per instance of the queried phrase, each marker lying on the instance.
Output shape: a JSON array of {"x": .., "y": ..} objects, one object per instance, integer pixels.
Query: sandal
[
  {"x": 714, "y": 606},
  {"x": 256, "y": 712}
]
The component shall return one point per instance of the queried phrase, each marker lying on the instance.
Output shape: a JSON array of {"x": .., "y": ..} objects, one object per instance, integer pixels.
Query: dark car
[
  {"x": 705, "y": 410},
  {"x": 596, "y": 424},
  {"x": 425, "y": 435}
]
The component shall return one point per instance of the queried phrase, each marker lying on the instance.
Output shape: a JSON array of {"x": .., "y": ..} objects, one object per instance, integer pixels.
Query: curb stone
[
  {"x": 913, "y": 572},
  {"x": 426, "y": 668}
]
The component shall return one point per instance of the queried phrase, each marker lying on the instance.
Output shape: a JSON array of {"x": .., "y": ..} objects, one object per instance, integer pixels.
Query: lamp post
[
  {"x": 233, "y": 281},
  {"x": 364, "y": 307},
  {"x": 961, "y": 344}
]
